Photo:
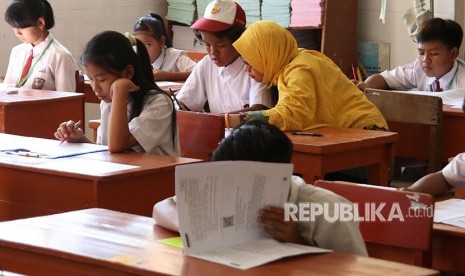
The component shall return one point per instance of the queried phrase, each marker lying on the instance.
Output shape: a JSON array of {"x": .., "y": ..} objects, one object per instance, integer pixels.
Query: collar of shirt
[
  {"x": 161, "y": 57},
  {"x": 232, "y": 69},
  {"x": 445, "y": 80},
  {"x": 41, "y": 46}
]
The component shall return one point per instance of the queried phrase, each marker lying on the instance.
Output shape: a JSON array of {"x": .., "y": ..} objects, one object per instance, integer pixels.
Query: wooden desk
[
  {"x": 344, "y": 148},
  {"x": 449, "y": 244},
  {"x": 103, "y": 242},
  {"x": 448, "y": 248},
  {"x": 38, "y": 113},
  {"x": 414, "y": 139},
  {"x": 37, "y": 186}
]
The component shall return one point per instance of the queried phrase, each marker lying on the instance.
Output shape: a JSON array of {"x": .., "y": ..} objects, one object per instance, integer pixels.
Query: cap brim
[{"x": 208, "y": 25}]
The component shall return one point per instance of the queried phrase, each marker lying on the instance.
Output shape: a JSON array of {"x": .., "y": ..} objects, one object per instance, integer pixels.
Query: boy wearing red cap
[{"x": 220, "y": 78}]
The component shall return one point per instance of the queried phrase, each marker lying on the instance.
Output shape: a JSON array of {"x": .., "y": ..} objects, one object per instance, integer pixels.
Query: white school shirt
[
  {"x": 342, "y": 236},
  {"x": 173, "y": 60},
  {"x": 454, "y": 172},
  {"x": 54, "y": 71},
  {"x": 151, "y": 129},
  {"x": 411, "y": 76},
  {"x": 226, "y": 88}
]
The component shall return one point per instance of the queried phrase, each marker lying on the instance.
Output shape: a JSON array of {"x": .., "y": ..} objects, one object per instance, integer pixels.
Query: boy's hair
[
  {"x": 155, "y": 25},
  {"x": 447, "y": 31},
  {"x": 255, "y": 141},
  {"x": 25, "y": 13},
  {"x": 232, "y": 33},
  {"x": 113, "y": 52}
]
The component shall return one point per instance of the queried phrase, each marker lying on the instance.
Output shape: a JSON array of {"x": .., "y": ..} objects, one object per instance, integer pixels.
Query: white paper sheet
[
  {"x": 46, "y": 148},
  {"x": 452, "y": 97},
  {"x": 451, "y": 211},
  {"x": 218, "y": 205}
]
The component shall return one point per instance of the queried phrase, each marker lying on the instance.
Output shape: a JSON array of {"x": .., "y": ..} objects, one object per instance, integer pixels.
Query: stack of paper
[
  {"x": 277, "y": 11},
  {"x": 252, "y": 10},
  {"x": 184, "y": 39},
  {"x": 182, "y": 11},
  {"x": 201, "y": 5},
  {"x": 307, "y": 13}
]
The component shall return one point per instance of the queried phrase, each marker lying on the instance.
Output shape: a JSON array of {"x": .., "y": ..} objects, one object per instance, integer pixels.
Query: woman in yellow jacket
[{"x": 312, "y": 90}]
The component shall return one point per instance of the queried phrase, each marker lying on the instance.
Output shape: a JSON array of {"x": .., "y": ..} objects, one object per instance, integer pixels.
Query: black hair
[
  {"x": 113, "y": 52},
  {"x": 233, "y": 33},
  {"x": 255, "y": 141},
  {"x": 25, "y": 13},
  {"x": 155, "y": 25},
  {"x": 447, "y": 31}
]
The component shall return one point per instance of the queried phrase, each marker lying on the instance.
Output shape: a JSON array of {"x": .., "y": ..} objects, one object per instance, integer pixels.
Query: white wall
[
  {"x": 76, "y": 21},
  {"x": 394, "y": 31}
]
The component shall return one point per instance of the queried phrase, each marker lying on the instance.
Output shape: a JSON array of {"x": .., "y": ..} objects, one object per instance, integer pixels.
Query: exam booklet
[{"x": 218, "y": 204}]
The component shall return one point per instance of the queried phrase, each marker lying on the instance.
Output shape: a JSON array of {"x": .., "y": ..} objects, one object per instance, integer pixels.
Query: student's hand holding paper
[
  {"x": 272, "y": 221},
  {"x": 70, "y": 131}
]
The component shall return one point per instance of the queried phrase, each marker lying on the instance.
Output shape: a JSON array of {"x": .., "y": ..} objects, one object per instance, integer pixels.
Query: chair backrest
[
  {"x": 79, "y": 82},
  {"x": 408, "y": 107},
  {"x": 405, "y": 235},
  {"x": 195, "y": 55},
  {"x": 199, "y": 133}
]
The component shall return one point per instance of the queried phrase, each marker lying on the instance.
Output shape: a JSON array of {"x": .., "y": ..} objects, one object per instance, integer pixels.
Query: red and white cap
[{"x": 220, "y": 15}]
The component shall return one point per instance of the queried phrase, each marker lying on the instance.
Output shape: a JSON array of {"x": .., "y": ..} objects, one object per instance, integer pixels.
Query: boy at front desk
[
  {"x": 220, "y": 79},
  {"x": 437, "y": 67}
]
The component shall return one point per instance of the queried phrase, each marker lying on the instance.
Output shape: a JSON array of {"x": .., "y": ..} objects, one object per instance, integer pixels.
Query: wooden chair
[
  {"x": 94, "y": 124},
  {"x": 79, "y": 82},
  {"x": 195, "y": 55},
  {"x": 408, "y": 241},
  {"x": 411, "y": 108},
  {"x": 199, "y": 133}
]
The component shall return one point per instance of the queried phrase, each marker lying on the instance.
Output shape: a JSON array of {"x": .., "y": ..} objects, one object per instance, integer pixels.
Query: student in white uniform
[
  {"x": 220, "y": 78},
  {"x": 135, "y": 114},
  {"x": 437, "y": 68},
  {"x": 260, "y": 141},
  {"x": 169, "y": 64},
  {"x": 51, "y": 66}
]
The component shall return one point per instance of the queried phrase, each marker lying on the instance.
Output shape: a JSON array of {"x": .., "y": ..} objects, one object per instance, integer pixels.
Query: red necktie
[
  {"x": 27, "y": 65},
  {"x": 438, "y": 87}
]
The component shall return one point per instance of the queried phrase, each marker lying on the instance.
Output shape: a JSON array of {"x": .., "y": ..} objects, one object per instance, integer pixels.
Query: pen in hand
[{"x": 75, "y": 127}]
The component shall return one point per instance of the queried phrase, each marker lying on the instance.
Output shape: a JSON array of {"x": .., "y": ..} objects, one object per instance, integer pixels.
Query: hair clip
[{"x": 131, "y": 38}]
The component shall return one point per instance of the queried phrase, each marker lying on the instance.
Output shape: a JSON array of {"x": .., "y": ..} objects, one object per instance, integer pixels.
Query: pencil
[
  {"x": 353, "y": 72},
  {"x": 359, "y": 74}
]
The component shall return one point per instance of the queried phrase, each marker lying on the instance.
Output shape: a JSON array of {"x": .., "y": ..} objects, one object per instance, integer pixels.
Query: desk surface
[
  {"x": 37, "y": 186},
  {"x": 38, "y": 113},
  {"x": 107, "y": 242},
  {"x": 449, "y": 245},
  {"x": 344, "y": 148}
]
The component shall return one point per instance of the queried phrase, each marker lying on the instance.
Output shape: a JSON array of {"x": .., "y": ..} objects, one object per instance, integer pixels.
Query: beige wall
[
  {"x": 76, "y": 21},
  {"x": 394, "y": 31}
]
